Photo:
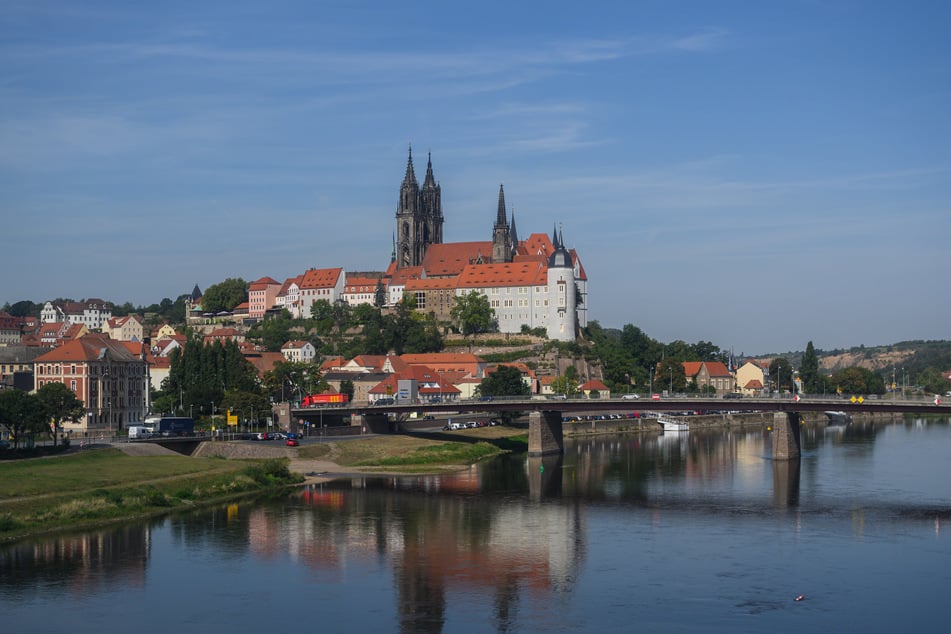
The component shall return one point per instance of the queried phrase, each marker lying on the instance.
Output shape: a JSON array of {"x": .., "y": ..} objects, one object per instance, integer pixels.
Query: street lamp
[{"x": 671, "y": 372}]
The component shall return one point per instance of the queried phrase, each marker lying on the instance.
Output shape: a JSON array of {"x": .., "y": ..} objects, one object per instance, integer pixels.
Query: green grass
[
  {"x": 95, "y": 469},
  {"x": 441, "y": 454},
  {"x": 103, "y": 486}
]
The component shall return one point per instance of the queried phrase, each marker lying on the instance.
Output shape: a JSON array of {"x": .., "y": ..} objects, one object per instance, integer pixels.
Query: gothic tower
[
  {"x": 419, "y": 216},
  {"x": 501, "y": 236}
]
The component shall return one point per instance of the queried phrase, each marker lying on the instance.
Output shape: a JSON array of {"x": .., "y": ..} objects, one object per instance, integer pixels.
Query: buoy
[{"x": 800, "y": 597}]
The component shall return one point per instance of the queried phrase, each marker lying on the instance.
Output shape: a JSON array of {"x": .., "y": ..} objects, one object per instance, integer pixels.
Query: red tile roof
[
  {"x": 89, "y": 348},
  {"x": 321, "y": 278},
  {"x": 450, "y": 258},
  {"x": 524, "y": 273}
]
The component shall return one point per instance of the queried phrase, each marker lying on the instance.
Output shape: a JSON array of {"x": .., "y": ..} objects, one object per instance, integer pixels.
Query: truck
[
  {"x": 170, "y": 426},
  {"x": 138, "y": 432},
  {"x": 316, "y": 400}
]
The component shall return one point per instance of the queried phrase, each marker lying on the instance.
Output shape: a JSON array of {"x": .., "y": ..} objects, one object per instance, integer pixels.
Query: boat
[
  {"x": 838, "y": 418},
  {"x": 671, "y": 424}
]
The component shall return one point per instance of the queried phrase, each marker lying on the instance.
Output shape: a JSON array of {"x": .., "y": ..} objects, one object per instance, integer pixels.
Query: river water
[{"x": 650, "y": 532}]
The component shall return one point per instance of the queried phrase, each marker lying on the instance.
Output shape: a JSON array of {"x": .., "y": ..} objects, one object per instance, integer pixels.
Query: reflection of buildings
[
  {"x": 80, "y": 565},
  {"x": 440, "y": 545}
]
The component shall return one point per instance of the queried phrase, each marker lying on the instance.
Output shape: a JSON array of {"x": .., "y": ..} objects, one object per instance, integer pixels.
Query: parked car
[
  {"x": 631, "y": 396},
  {"x": 292, "y": 442}
]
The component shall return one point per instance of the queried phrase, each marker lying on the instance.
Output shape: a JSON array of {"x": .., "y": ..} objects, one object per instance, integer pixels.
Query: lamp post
[
  {"x": 671, "y": 372},
  {"x": 650, "y": 384}
]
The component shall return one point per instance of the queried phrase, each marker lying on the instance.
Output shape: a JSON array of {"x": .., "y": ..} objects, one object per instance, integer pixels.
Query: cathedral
[{"x": 536, "y": 282}]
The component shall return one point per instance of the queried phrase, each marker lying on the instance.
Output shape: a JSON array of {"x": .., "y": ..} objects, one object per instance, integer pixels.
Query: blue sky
[{"x": 755, "y": 174}]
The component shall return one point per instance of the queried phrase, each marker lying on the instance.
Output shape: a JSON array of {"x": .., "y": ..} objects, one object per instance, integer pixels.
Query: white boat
[
  {"x": 838, "y": 418},
  {"x": 670, "y": 424}
]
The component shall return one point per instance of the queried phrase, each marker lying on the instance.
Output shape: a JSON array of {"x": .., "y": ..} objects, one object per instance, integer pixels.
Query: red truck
[{"x": 316, "y": 400}]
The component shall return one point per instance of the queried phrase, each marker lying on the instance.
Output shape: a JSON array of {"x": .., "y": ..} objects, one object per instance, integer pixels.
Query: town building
[
  {"x": 262, "y": 295},
  {"x": 111, "y": 381},
  {"x": 299, "y": 351},
  {"x": 709, "y": 373},
  {"x": 128, "y": 328},
  {"x": 92, "y": 313}
]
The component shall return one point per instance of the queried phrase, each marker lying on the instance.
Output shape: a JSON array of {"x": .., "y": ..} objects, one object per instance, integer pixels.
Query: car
[
  {"x": 559, "y": 397},
  {"x": 631, "y": 396},
  {"x": 292, "y": 442},
  {"x": 732, "y": 395}
]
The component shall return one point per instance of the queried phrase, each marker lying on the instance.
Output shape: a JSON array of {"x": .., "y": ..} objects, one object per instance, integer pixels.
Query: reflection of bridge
[{"x": 545, "y": 415}]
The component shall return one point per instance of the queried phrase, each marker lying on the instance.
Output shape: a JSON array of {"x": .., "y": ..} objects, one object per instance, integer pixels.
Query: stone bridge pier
[
  {"x": 787, "y": 428},
  {"x": 545, "y": 434}
]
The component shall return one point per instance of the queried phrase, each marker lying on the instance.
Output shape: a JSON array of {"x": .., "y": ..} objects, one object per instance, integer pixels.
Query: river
[{"x": 644, "y": 532}]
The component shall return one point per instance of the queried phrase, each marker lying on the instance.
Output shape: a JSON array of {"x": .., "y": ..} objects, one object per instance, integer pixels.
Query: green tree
[
  {"x": 506, "y": 380},
  {"x": 781, "y": 374},
  {"x": 670, "y": 376},
  {"x": 473, "y": 314},
  {"x": 21, "y": 414},
  {"x": 249, "y": 407},
  {"x": 346, "y": 387},
  {"x": 565, "y": 385},
  {"x": 858, "y": 381},
  {"x": 58, "y": 403},
  {"x": 809, "y": 371},
  {"x": 292, "y": 380},
  {"x": 933, "y": 382},
  {"x": 24, "y": 308},
  {"x": 224, "y": 295},
  {"x": 274, "y": 332}
]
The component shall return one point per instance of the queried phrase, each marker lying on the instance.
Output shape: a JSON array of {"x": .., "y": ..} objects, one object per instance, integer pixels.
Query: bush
[{"x": 271, "y": 472}]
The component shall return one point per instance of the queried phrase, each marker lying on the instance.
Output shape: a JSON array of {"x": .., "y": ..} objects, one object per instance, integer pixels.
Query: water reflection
[{"x": 513, "y": 531}]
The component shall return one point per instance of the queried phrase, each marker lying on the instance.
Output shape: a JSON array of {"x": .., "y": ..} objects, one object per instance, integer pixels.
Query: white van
[{"x": 138, "y": 432}]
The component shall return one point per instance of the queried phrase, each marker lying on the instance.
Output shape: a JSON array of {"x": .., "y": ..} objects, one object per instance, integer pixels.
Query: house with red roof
[
  {"x": 127, "y": 328},
  {"x": 111, "y": 381},
  {"x": 709, "y": 373},
  {"x": 262, "y": 295},
  {"x": 430, "y": 385},
  {"x": 320, "y": 284},
  {"x": 751, "y": 378},
  {"x": 361, "y": 288},
  {"x": 594, "y": 389}
]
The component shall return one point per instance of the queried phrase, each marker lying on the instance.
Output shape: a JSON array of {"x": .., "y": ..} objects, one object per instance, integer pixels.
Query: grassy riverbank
[
  {"x": 420, "y": 452},
  {"x": 101, "y": 486},
  {"x": 94, "y": 487}
]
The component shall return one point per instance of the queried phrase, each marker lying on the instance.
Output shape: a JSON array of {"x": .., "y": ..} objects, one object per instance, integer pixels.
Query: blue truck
[{"x": 170, "y": 426}]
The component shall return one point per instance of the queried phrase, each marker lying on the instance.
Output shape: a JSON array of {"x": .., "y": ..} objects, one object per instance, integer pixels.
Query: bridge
[{"x": 546, "y": 414}]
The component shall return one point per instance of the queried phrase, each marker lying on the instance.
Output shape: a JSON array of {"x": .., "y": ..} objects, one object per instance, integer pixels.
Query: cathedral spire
[
  {"x": 513, "y": 233},
  {"x": 430, "y": 181},
  {"x": 500, "y": 216},
  {"x": 554, "y": 237},
  {"x": 410, "y": 178}
]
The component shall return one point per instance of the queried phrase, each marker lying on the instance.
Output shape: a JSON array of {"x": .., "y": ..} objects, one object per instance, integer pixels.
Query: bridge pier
[
  {"x": 545, "y": 434},
  {"x": 787, "y": 435}
]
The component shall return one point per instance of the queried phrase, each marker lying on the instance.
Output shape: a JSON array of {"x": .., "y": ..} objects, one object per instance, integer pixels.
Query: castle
[{"x": 537, "y": 282}]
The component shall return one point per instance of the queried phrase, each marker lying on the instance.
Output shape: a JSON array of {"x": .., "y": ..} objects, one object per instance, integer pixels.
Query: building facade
[{"x": 112, "y": 383}]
